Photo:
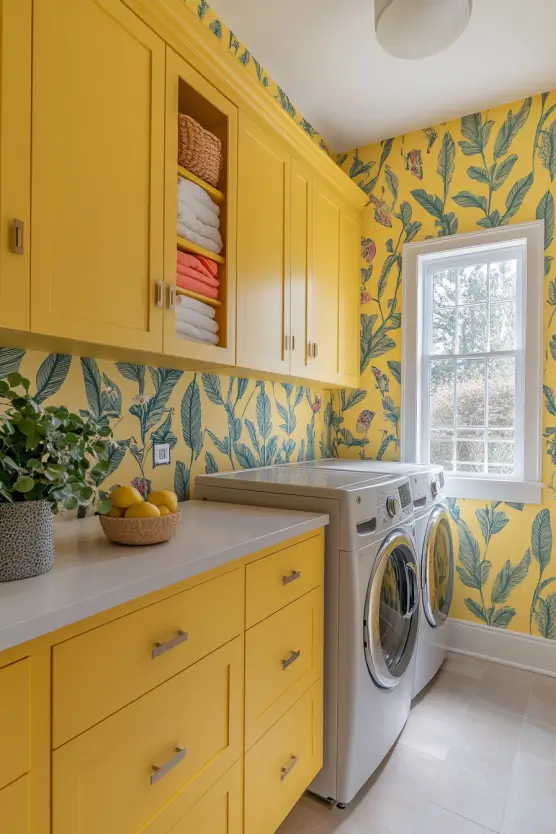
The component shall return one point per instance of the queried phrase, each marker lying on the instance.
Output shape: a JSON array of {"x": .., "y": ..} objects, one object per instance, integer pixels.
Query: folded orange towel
[
  {"x": 187, "y": 283},
  {"x": 197, "y": 275},
  {"x": 204, "y": 265}
]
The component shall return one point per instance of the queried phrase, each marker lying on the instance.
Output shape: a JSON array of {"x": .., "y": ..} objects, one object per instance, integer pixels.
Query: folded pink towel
[
  {"x": 205, "y": 265},
  {"x": 187, "y": 283},
  {"x": 197, "y": 275}
]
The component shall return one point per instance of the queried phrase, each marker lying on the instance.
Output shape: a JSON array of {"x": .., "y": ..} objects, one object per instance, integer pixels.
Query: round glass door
[
  {"x": 391, "y": 611},
  {"x": 438, "y": 567}
]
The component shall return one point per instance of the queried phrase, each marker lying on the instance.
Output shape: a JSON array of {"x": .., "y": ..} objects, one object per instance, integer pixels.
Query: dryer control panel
[{"x": 372, "y": 509}]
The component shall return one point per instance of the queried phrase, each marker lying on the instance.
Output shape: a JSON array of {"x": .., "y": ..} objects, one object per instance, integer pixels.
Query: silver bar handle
[
  {"x": 286, "y": 342},
  {"x": 18, "y": 237},
  {"x": 291, "y": 577},
  {"x": 160, "y": 771},
  {"x": 291, "y": 659},
  {"x": 293, "y": 342},
  {"x": 315, "y": 350},
  {"x": 310, "y": 350},
  {"x": 171, "y": 297},
  {"x": 160, "y": 293},
  {"x": 161, "y": 648},
  {"x": 285, "y": 771},
  {"x": 412, "y": 583}
]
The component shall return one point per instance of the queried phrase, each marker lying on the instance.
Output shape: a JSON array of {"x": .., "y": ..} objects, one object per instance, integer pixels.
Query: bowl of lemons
[{"x": 135, "y": 521}]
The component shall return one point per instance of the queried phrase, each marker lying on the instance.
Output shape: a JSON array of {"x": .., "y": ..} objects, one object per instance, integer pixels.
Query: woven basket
[
  {"x": 199, "y": 150},
  {"x": 140, "y": 531}
]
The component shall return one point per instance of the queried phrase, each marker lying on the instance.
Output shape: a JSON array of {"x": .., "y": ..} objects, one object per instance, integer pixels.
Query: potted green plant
[{"x": 49, "y": 458}]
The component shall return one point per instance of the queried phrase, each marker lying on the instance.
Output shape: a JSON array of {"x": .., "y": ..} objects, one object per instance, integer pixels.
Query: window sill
[{"x": 522, "y": 492}]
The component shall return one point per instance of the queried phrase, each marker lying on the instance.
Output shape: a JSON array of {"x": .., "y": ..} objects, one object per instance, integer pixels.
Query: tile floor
[{"x": 477, "y": 755}]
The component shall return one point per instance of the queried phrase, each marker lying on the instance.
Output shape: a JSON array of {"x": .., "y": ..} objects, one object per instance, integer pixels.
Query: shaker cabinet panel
[{"x": 98, "y": 170}]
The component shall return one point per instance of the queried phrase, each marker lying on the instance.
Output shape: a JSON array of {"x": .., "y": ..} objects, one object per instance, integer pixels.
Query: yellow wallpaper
[
  {"x": 212, "y": 422},
  {"x": 488, "y": 169},
  {"x": 227, "y": 41}
]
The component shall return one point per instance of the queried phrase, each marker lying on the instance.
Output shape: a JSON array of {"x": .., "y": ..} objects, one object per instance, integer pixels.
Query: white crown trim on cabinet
[{"x": 525, "y": 651}]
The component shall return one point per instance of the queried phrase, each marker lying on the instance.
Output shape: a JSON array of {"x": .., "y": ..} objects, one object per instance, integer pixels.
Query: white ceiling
[{"x": 324, "y": 54}]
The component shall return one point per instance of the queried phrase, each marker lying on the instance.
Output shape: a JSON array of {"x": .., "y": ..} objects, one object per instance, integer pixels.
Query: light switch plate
[{"x": 161, "y": 454}]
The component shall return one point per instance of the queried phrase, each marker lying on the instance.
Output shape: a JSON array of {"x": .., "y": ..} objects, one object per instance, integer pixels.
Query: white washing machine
[
  {"x": 436, "y": 555},
  {"x": 371, "y": 605}
]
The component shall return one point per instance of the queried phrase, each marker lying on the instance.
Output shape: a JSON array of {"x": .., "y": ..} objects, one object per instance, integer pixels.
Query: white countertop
[{"x": 91, "y": 574}]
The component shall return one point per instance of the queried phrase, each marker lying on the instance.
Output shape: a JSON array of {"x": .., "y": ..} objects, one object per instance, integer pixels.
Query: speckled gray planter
[{"x": 26, "y": 540}]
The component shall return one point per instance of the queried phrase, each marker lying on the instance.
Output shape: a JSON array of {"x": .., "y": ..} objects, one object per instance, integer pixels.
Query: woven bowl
[{"x": 140, "y": 531}]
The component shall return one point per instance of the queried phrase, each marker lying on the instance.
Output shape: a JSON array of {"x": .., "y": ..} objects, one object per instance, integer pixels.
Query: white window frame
[{"x": 526, "y": 485}]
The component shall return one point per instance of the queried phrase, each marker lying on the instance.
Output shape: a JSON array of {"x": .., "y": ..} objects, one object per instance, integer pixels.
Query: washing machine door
[
  {"x": 392, "y": 611},
  {"x": 437, "y": 568}
]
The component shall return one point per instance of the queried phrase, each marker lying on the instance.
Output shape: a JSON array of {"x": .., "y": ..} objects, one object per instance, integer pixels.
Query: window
[{"x": 472, "y": 360}]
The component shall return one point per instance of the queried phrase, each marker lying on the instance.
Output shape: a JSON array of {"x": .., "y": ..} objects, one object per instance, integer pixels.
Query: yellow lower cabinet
[
  {"x": 15, "y": 681},
  {"x": 283, "y": 657},
  {"x": 14, "y": 808},
  {"x": 279, "y": 768},
  {"x": 181, "y": 737},
  {"x": 219, "y": 811}
]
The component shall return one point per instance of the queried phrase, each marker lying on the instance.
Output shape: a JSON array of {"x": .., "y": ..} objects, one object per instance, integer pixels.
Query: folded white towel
[
  {"x": 187, "y": 217},
  {"x": 196, "y": 319},
  {"x": 197, "y": 333},
  {"x": 201, "y": 240},
  {"x": 198, "y": 306},
  {"x": 202, "y": 212},
  {"x": 198, "y": 193}
]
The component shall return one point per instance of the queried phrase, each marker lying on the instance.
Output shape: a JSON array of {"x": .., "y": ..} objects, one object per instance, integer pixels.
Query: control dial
[
  {"x": 434, "y": 488},
  {"x": 392, "y": 506}
]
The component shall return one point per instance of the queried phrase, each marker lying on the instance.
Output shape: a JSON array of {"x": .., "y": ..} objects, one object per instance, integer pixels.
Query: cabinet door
[
  {"x": 263, "y": 280},
  {"x": 300, "y": 260},
  {"x": 348, "y": 341},
  {"x": 15, "y": 816},
  {"x": 15, "y": 161},
  {"x": 324, "y": 301},
  {"x": 98, "y": 168}
]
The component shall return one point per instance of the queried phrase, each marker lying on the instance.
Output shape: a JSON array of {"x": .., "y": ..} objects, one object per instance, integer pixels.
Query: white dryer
[
  {"x": 436, "y": 555},
  {"x": 371, "y": 605}
]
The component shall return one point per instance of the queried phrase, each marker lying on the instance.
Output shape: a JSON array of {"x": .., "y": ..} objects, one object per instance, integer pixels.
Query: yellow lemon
[
  {"x": 166, "y": 497},
  {"x": 142, "y": 510},
  {"x": 115, "y": 512},
  {"x": 125, "y": 496},
  {"x": 164, "y": 510}
]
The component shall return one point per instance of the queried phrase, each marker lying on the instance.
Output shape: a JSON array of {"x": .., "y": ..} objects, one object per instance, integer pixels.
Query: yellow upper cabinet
[
  {"x": 15, "y": 161},
  {"x": 190, "y": 94},
  {"x": 300, "y": 261},
  {"x": 263, "y": 275},
  {"x": 324, "y": 287},
  {"x": 98, "y": 171},
  {"x": 348, "y": 340}
]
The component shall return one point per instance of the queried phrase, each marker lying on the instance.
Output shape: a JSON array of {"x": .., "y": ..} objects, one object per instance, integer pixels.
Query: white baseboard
[{"x": 536, "y": 654}]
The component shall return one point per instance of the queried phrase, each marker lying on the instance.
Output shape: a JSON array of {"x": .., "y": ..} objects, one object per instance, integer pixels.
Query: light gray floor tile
[
  {"x": 473, "y": 794},
  {"x": 430, "y": 730},
  {"x": 539, "y": 740},
  {"x": 487, "y": 740},
  {"x": 542, "y": 703},
  {"x": 462, "y": 664},
  {"x": 505, "y": 688},
  {"x": 532, "y": 803},
  {"x": 437, "y": 820}
]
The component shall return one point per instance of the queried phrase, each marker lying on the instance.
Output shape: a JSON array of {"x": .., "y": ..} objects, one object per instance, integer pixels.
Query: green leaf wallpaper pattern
[
  {"x": 485, "y": 170},
  {"x": 211, "y": 422}
]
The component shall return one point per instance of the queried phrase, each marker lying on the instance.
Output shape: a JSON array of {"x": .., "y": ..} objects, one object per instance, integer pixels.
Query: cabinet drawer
[
  {"x": 14, "y": 721},
  {"x": 173, "y": 743},
  {"x": 220, "y": 811},
  {"x": 283, "y": 658},
  {"x": 97, "y": 673},
  {"x": 14, "y": 808},
  {"x": 280, "y": 578},
  {"x": 283, "y": 764}
]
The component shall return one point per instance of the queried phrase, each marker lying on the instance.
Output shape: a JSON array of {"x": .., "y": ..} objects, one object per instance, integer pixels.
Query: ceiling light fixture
[{"x": 420, "y": 28}]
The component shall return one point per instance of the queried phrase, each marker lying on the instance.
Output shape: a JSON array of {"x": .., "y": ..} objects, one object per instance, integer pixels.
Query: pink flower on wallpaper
[
  {"x": 364, "y": 421},
  {"x": 368, "y": 249},
  {"x": 315, "y": 406},
  {"x": 365, "y": 297},
  {"x": 142, "y": 485}
]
